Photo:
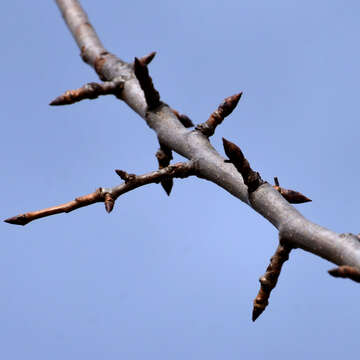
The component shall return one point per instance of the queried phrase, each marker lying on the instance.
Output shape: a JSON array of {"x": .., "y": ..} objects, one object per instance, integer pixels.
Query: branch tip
[
  {"x": 269, "y": 280},
  {"x": 18, "y": 220}
]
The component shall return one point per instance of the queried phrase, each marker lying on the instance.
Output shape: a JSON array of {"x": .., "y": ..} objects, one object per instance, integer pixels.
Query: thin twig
[
  {"x": 217, "y": 117},
  {"x": 269, "y": 279},
  {"x": 90, "y": 91},
  {"x": 109, "y": 195}
]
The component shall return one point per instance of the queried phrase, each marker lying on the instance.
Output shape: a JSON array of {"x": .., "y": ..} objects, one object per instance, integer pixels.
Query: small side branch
[
  {"x": 269, "y": 279},
  {"x": 217, "y": 117},
  {"x": 90, "y": 91},
  {"x": 109, "y": 195},
  {"x": 252, "y": 179},
  {"x": 346, "y": 272}
]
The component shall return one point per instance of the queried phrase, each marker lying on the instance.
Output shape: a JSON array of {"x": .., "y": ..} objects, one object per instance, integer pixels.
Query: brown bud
[
  {"x": 109, "y": 202},
  {"x": 229, "y": 104}
]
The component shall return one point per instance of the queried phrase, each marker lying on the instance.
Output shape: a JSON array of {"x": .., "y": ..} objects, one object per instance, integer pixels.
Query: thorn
[
  {"x": 148, "y": 58},
  {"x": 109, "y": 202},
  {"x": 17, "y": 220}
]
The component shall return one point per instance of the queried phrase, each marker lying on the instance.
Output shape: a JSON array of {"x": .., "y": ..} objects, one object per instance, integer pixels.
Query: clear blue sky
[{"x": 174, "y": 278}]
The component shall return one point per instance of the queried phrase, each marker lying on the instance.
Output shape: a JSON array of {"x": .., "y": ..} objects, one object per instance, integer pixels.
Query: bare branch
[
  {"x": 108, "y": 196},
  {"x": 269, "y": 280},
  {"x": 262, "y": 197},
  {"x": 90, "y": 91},
  {"x": 217, "y": 117}
]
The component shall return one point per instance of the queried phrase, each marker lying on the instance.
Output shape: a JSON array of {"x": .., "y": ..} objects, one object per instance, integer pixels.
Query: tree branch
[
  {"x": 109, "y": 195},
  {"x": 341, "y": 249}
]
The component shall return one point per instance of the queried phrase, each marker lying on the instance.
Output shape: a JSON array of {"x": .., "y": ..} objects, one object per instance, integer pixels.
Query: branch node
[{"x": 217, "y": 117}]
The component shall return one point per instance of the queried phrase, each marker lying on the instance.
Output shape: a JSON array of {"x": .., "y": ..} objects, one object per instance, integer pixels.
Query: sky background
[{"x": 174, "y": 277}]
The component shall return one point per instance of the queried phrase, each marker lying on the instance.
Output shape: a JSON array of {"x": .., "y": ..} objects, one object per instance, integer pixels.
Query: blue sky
[{"x": 174, "y": 278}]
